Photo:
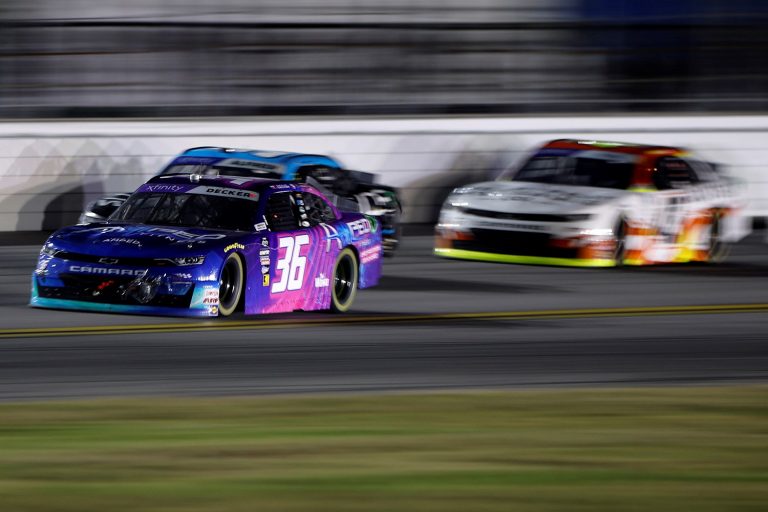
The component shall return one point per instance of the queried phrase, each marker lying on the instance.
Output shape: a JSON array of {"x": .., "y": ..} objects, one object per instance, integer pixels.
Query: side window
[
  {"x": 672, "y": 172},
  {"x": 321, "y": 173},
  {"x": 317, "y": 209},
  {"x": 704, "y": 170},
  {"x": 282, "y": 212},
  {"x": 328, "y": 179}
]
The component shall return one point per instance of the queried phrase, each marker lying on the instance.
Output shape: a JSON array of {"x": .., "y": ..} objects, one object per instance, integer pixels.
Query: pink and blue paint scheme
[{"x": 100, "y": 267}]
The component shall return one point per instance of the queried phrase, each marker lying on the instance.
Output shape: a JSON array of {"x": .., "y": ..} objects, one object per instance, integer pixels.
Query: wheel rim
[
  {"x": 343, "y": 281},
  {"x": 229, "y": 284}
]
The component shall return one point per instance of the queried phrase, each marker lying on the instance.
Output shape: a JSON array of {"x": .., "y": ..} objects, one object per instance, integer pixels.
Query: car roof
[
  {"x": 614, "y": 147},
  {"x": 238, "y": 182},
  {"x": 256, "y": 155}
]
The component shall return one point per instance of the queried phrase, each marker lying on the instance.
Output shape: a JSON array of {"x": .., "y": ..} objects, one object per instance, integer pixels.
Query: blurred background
[
  {"x": 150, "y": 58},
  {"x": 97, "y": 95},
  {"x": 428, "y": 94}
]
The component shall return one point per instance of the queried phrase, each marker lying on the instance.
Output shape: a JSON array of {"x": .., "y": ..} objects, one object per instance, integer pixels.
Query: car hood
[
  {"x": 138, "y": 240},
  {"x": 519, "y": 196}
]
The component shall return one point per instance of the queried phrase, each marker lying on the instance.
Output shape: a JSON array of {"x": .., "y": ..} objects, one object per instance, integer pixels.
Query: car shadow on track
[
  {"x": 702, "y": 269},
  {"x": 427, "y": 284}
]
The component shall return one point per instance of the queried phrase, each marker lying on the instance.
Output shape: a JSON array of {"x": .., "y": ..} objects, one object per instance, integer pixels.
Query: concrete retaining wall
[{"x": 49, "y": 170}]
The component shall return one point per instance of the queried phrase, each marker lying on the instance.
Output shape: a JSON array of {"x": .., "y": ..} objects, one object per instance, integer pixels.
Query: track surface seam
[{"x": 292, "y": 323}]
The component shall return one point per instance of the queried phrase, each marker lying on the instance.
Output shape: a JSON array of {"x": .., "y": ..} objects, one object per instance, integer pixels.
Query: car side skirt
[
  {"x": 76, "y": 305},
  {"x": 463, "y": 254}
]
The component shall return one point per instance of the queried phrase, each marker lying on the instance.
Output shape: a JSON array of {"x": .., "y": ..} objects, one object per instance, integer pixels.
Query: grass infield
[{"x": 646, "y": 449}]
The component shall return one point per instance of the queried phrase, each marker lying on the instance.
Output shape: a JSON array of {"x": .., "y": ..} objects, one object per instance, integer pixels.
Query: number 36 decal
[{"x": 292, "y": 265}]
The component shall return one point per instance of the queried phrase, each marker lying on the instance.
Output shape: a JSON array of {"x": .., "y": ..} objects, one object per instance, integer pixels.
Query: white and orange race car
[{"x": 596, "y": 204}]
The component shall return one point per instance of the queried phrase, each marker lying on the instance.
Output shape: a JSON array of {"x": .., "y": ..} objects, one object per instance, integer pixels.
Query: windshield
[
  {"x": 239, "y": 168},
  {"x": 188, "y": 210},
  {"x": 587, "y": 169}
]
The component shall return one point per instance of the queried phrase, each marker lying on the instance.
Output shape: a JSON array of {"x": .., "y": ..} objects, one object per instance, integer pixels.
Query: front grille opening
[{"x": 108, "y": 290}]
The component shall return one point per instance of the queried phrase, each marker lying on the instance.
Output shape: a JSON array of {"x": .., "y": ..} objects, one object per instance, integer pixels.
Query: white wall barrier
[{"x": 49, "y": 170}]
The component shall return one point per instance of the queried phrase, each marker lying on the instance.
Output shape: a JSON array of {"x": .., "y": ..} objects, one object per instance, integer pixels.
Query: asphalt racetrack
[{"x": 432, "y": 324}]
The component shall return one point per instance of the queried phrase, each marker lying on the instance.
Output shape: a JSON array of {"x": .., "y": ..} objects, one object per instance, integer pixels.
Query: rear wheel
[
  {"x": 231, "y": 282},
  {"x": 345, "y": 277}
]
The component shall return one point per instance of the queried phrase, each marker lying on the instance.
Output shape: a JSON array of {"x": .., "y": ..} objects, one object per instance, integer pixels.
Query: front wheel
[
  {"x": 620, "y": 247},
  {"x": 717, "y": 249},
  {"x": 345, "y": 276},
  {"x": 230, "y": 284}
]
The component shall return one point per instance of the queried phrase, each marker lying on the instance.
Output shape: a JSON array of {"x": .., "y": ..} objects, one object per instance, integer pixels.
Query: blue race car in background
[
  {"x": 353, "y": 191},
  {"x": 192, "y": 245}
]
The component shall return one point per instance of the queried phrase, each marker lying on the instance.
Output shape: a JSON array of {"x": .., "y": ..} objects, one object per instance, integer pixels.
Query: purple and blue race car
[{"x": 191, "y": 245}]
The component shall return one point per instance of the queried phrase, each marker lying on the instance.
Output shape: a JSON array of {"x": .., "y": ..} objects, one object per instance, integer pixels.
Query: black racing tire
[
  {"x": 392, "y": 242},
  {"x": 620, "y": 237},
  {"x": 345, "y": 281},
  {"x": 717, "y": 250},
  {"x": 231, "y": 284}
]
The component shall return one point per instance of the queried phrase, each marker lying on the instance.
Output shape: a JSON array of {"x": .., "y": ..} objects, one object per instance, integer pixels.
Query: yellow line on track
[{"x": 292, "y": 323}]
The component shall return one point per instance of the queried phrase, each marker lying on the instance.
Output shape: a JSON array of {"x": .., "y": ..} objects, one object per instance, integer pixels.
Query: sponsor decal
[
  {"x": 374, "y": 222},
  {"x": 510, "y": 226},
  {"x": 264, "y": 260},
  {"x": 265, "y": 269},
  {"x": 305, "y": 224},
  {"x": 360, "y": 227},
  {"x": 233, "y": 180},
  {"x": 264, "y": 242},
  {"x": 331, "y": 233},
  {"x": 213, "y": 310},
  {"x": 234, "y": 246},
  {"x": 180, "y": 235},
  {"x": 544, "y": 195},
  {"x": 280, "y": 186},
  {"x": 246, "y": 164},
  {"x": 211, "y": 296},
  {"x": 263, "y": 252},
  {"x": 225, "y": 192},
  {"x": 261, "y": 226},
  {"x": 129, "y": 241},
  {"x": 371, "y": 254},
  {"x": 265, "y": 280},
  {"x": 194, "y": 160},
  {"x": 87, "y": 269},
  {"x": 322, "y": 281},
  {"x": 163, "y": 188},
  {"x": 103, "y": 230}
]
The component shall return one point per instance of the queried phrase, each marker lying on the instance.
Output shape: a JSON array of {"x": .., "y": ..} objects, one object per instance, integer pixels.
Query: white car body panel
[{"x": 664, "y": 226}]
